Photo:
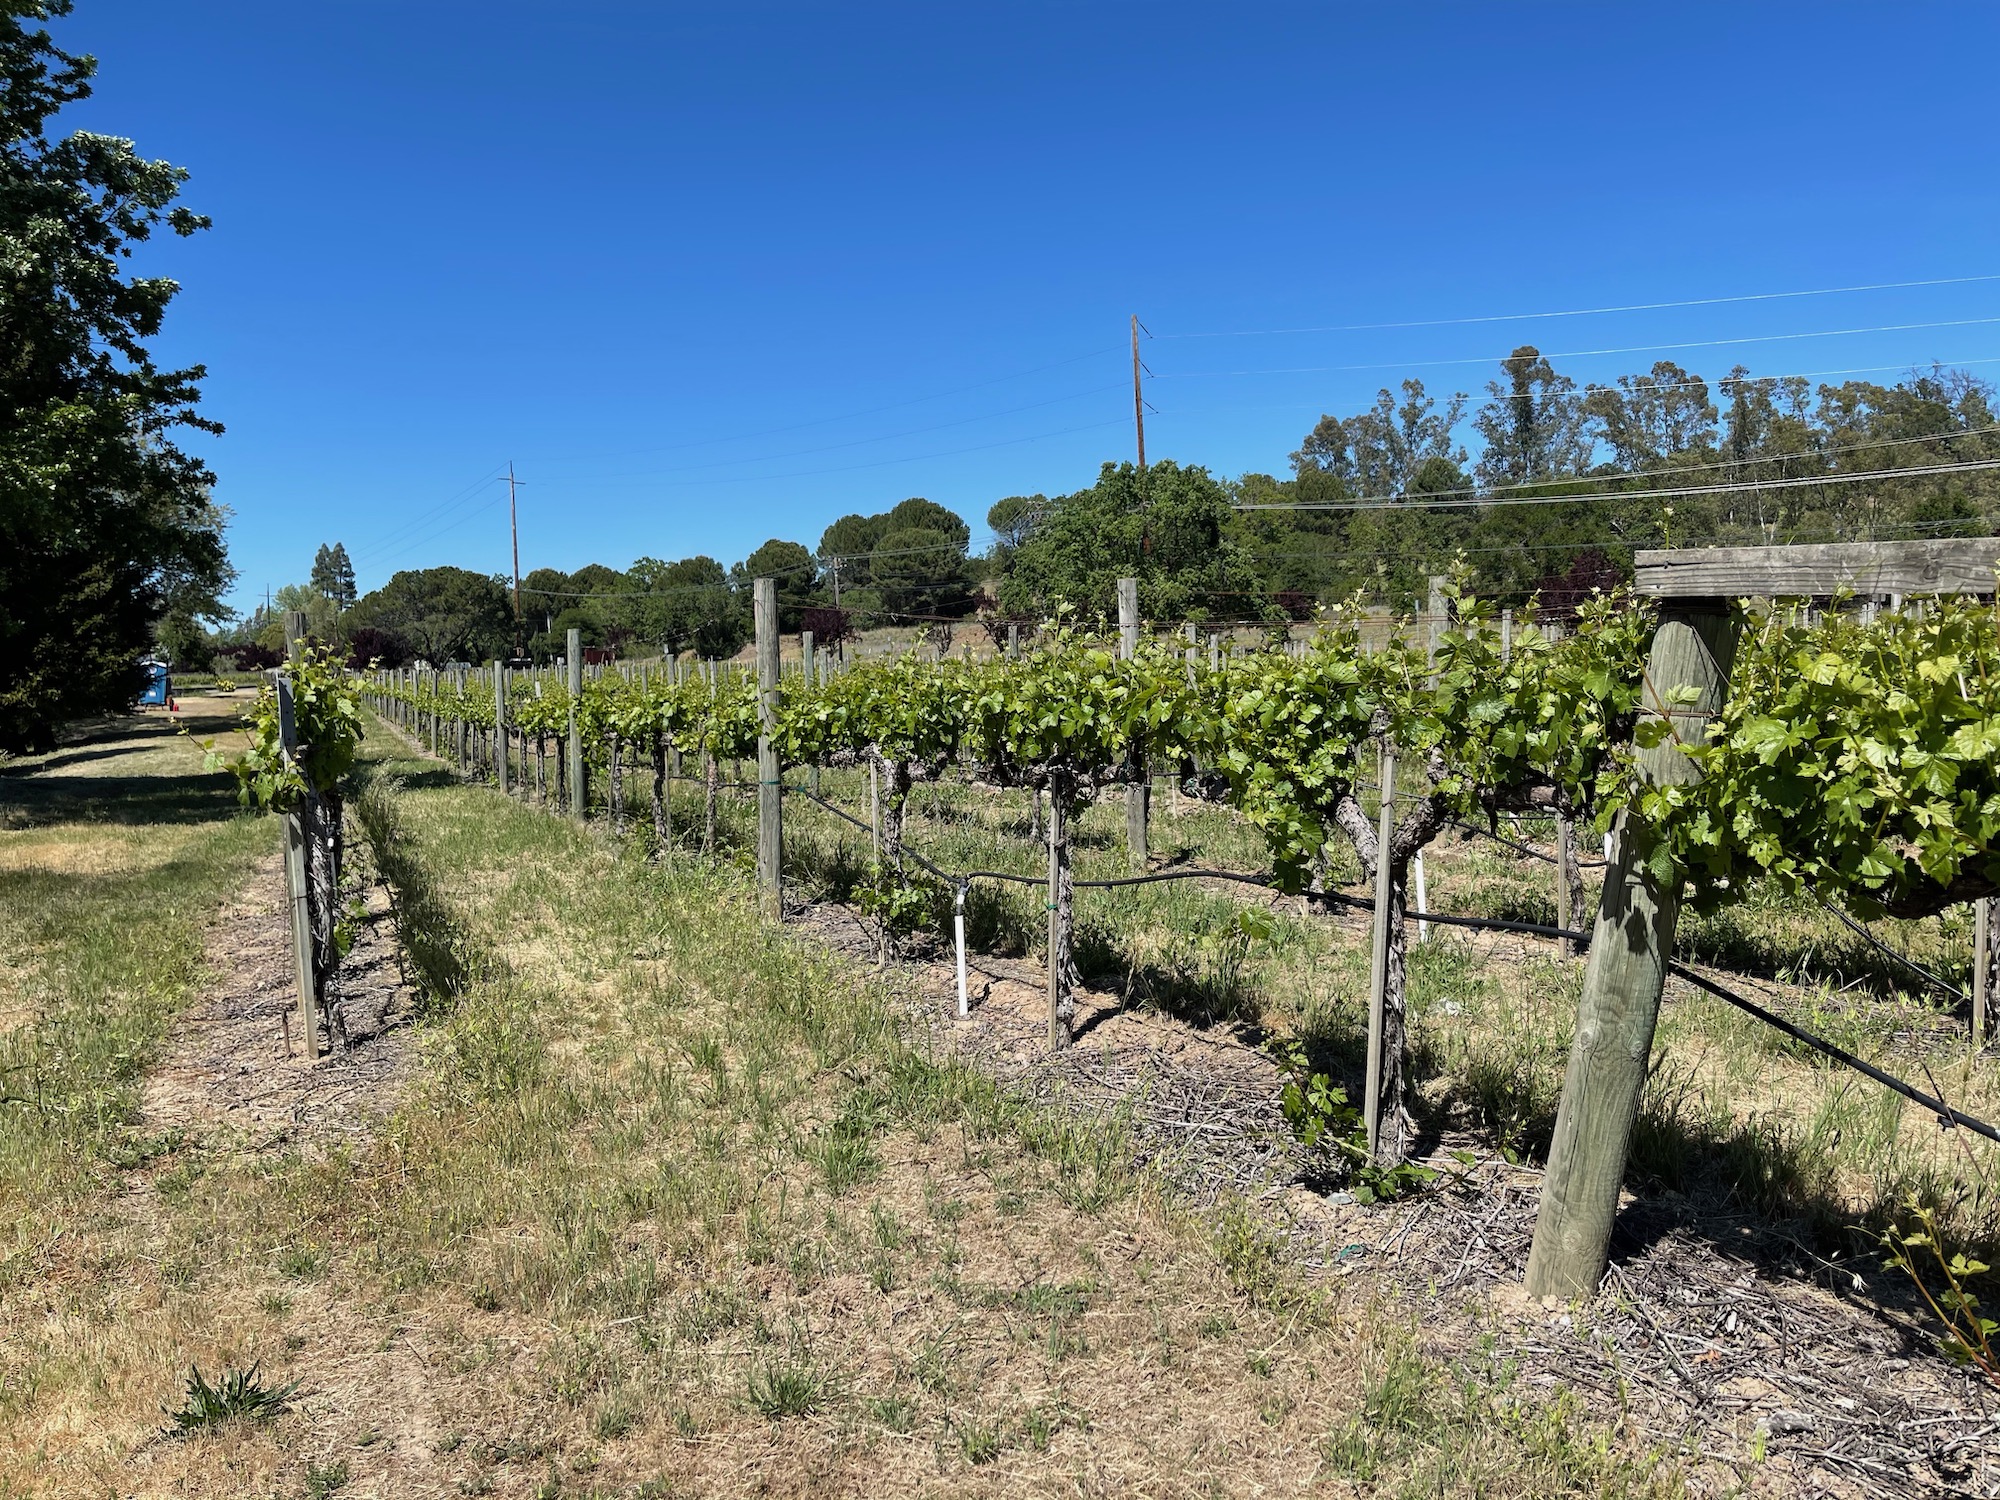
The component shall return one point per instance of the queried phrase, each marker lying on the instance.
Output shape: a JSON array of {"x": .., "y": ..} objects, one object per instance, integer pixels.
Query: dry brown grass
[{"x": 672, "y": 1210}]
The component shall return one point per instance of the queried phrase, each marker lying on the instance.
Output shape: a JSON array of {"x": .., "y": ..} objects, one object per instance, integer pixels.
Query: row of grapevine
[{"x": 1857, "y": 758}]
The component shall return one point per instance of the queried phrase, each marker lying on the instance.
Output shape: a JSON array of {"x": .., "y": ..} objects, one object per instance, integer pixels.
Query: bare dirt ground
[
  {"x": 237, "y": 1062},
  {"x": 1713, "y": 1325}
]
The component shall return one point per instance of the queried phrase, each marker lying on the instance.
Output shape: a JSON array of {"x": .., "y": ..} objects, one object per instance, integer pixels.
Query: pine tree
[
  {"x": 344, "y": 592},
  {"x": 333, "y": 574}
]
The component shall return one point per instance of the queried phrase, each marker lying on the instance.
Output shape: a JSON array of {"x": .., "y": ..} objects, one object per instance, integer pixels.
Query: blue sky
[{"x": 709, "y": 275}]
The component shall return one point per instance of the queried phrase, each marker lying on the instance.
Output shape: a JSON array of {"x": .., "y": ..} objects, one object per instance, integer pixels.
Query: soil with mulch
[
  {"x": 237, "y": 1062},
  {"x": 1718, "y": 1329}
]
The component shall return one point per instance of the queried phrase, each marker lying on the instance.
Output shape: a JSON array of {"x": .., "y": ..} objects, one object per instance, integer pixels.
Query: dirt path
[
  {"x": 236, "y": 1062},
  {"x": 1716, "y": 1323}
]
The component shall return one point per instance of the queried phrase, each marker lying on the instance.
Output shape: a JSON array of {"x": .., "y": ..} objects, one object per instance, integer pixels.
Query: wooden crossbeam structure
[
  {"x": 1956, "y": 566},
  {"x": 1632, "y": 940}
]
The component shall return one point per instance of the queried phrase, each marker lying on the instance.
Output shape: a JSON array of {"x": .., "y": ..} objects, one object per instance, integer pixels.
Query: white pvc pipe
[
  {"x": 1423, "y": 896},
  {"x": 958, "y": 924}
]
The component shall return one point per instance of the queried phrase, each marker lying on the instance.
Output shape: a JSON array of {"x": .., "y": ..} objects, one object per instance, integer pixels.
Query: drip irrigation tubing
[
  {"x": 1904, "y": 959},
  {"x": 1946, "y": 1114}
]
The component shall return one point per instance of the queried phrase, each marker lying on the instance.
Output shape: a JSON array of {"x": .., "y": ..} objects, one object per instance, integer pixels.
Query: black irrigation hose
[
  {"x": 1547, "y": 859},
  {"x": 1904, "y": 959},
  {"x": 1942, "y": 1110},
  {"x": 1839, "y": 1054},
  {"x": 944, "y": 875}
]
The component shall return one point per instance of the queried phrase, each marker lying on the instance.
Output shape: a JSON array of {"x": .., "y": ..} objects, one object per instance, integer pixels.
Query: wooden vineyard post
[
  {"x": 1013, "y": 641},
  {"x": 1630, "y": 947},
  {"x": 573, "y": 666},
  {"x": 770, "y": 806},
  {"x": 1058, "y": 1029},
  {"x": 296, "y": 833},
  {"x": 500, "y": 725},
  {"x": 1378, "y": 951},
  {"x": 1138, "y": 795},
  {"x": 808, "y": 648},
  {"x": 1982, "y": 967}
]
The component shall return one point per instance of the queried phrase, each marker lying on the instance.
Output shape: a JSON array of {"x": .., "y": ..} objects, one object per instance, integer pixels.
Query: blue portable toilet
[{"x": 159, "y": 684}]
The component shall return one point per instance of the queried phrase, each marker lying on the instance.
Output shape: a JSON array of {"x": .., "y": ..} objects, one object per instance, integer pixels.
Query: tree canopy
[
  {"x": 106, "y": 526},
  {"x": 445, "y": 614},
  {"x": 1166, "y": 526}
]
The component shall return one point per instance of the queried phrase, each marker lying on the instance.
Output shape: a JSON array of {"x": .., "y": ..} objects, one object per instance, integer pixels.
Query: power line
[
  {"x": 425, "y": 517},
  {"x": 1481, "y": 359},
  {"x": 1914, "y": 472},
  {"x": 867, "y": 411},
  {"x": 1693, "y": 383},
  {"x": 851, "y": 468},
  {"x": 1813, "y": 453},
  {"x": 887, "y": 437},
  {"x": 1586, "y": 312}
]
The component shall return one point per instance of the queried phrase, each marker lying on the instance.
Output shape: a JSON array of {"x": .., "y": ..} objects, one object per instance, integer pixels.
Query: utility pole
[
  {"x": 1138, "y": 397},
  {"x": 514, "y": 526}
]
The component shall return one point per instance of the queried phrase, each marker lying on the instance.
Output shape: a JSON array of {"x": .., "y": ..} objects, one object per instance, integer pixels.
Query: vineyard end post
[
  {"x": 1631, "y": 944},
  {"x": 500, "y": 724},
  {"x": 1982, "y": 968},
  {"x": 1058, "y": 1031},
  {"x": 770, "y": 807},
  {"x": 1138, "y": 795},
  {"x": 573, "y": 669},
  {"x": 809, "y": 649},
  {"x": 298, "y": 869},
  {"x": 1378, "y": 954}
]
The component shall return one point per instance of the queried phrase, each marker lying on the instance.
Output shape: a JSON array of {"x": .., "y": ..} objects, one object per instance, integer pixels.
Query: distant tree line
[{"x": 1566, "y": 486}]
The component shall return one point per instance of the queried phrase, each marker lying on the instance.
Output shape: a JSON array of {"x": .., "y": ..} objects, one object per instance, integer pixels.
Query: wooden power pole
[
  {"x": 770, "y": 804},
  {"x": 1138, "y": 396},
  {"x": 514, "y": 526}
]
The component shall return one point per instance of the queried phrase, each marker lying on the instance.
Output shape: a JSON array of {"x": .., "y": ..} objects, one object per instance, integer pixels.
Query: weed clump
[{"x": 240, "y": 1395}]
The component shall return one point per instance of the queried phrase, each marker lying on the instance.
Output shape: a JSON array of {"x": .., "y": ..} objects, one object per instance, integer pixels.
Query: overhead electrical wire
[
  {"x": 1696, "y": 383},
  {"x": 423, "y": 518},
  {"x": 1483, "y": 359},
  {"x": 866, "y": 411},
  {"x": 1586, "y": 312},
  {"x": 884, "y": 463},
  {"x": 1914, "y": 472},
  {"x": 883, "y": 438},
  {"x": 1864, "y": 444}
]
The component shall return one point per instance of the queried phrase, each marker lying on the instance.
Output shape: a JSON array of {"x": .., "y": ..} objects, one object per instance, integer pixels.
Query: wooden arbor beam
[
  {"x": 1633, "y": 938},
  {"x": 1958, "y": 566}
]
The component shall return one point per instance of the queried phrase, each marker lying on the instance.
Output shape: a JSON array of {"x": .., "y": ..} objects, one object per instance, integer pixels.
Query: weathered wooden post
[
  {"x": 297, "y": 823},
  {"x": 573, "y": 666},
  {"x": 1629, "y": 951},
  {"x": 808, "y": 648},
  {"x": 770, "y": 804},
  {"x": 1139, "y": 794},
  {"x": 1058, "y": 1026},
  {"x": 500, "y": 725},
  {"x": 1982, "y": 967},
  {"x": 1632, "y": 939},
  {"x": 1378, "y": 955}
]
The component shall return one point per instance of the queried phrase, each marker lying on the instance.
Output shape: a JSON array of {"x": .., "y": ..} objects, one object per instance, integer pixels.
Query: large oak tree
[{"x": 106, "y": 526}]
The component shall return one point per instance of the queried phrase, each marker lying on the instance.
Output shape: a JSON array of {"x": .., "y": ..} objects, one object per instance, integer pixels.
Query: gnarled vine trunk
[
  {"x": 1397, "y": 1127},
  {"x": 711, "y": 777},
  {"x": 617, "y": 769},
  {"x": 662, "y": 797},
  {"x": 1066, "y": 800}
]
